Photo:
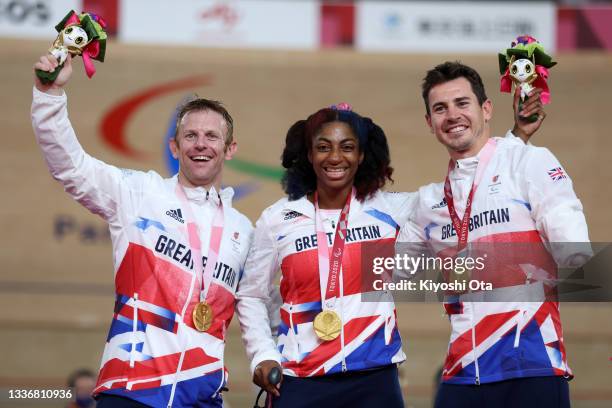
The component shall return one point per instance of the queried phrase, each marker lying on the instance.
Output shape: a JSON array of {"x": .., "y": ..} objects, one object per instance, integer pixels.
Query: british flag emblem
[{"x": 557, "y": 174}]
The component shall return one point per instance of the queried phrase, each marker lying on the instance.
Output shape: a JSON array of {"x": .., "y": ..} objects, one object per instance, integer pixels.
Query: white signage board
[
  {"x": 227, "y": 24},
  {"x": 34, "y": 18},
  {"x": 452, "y": 27}
]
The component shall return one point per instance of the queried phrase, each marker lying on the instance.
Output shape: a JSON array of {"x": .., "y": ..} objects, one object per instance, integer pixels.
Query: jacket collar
[
  {"x": 200, "y": 195},
  {"x": 303, "y": 206}
]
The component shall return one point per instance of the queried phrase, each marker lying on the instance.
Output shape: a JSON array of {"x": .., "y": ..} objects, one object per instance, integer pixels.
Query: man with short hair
[
  {"x": 507, "y": 353},
  {"x": 179, "y": 248}
]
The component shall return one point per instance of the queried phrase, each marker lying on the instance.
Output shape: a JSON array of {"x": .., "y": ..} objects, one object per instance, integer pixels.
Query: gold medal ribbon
[
  {"x": 462, "y": 225},
  {"x": 203, "y": 314},
  {"x": 327, "y": 324}
]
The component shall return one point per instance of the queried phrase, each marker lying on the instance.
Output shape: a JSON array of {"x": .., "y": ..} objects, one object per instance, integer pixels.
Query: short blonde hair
[{"x": 202, "y": 104}]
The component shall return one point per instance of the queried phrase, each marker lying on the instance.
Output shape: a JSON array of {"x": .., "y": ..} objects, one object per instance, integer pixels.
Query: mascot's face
[
  {"x": 75, "y": 36},
  {"x": 522, "y": 70}
]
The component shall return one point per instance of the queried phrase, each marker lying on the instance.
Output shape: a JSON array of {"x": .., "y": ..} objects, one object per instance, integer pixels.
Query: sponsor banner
[
  {"x": 451, "y": 27},
  {"x": 226, "y": 24},
  {"x": 34, "y": 18}
]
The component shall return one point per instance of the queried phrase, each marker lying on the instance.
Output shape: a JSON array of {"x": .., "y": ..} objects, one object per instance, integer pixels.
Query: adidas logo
[
  {"x": 289, "y": 215},
  {"x": 440, "y": 205},
  {"x": 176, "y": 214}
]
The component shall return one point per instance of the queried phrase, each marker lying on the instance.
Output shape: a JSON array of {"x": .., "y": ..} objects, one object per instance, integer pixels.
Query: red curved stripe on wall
[{"x": 112, "y": 126}]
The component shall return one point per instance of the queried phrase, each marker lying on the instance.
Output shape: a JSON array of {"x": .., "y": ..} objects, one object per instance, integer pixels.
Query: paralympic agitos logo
[{"x": 113, "y": 125}]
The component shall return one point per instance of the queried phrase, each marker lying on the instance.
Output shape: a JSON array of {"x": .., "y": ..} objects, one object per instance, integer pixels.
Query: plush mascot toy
[
  {"x": 526, "y": 65},
  {"x": 83, "y": 35}
]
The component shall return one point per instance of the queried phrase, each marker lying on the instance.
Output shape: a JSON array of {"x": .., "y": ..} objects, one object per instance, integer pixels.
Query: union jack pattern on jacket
[
  {"x": 517, "y": 202},
  {"x": 153, "y": 353},
  {"x": 285, "y": 239}
]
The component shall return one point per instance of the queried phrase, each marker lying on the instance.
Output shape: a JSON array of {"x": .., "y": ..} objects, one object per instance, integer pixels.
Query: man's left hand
[{"x": 532, "y": 105}]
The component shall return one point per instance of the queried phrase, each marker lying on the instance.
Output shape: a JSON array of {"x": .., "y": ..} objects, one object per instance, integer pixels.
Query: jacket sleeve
[
  {"x": 91, "y": 182},
  {"x": 412, "y": 243},
  {"x": 254, "y": 294},
  {"x": 512, "y": 138},
  {"x": 402, "y": 205},
  {"x": 555, "y": 208}
]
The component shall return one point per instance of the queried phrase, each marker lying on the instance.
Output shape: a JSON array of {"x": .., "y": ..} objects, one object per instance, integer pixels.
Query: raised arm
[{"x": 91, "y": 182}]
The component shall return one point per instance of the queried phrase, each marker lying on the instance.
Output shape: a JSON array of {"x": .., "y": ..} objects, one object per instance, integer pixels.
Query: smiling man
[
  {"x": 202, "y": 141},
  {"x": 179, "y": 248},
  {"x": 458, "y": 118},
  {"x": 500, "y": 353}
]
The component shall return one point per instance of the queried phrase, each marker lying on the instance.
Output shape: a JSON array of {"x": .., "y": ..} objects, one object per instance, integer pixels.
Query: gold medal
[
  {"x": 327, "y": 325},
  {"x": 202, "y": 316},
  {"x": 460, "y": 278}
]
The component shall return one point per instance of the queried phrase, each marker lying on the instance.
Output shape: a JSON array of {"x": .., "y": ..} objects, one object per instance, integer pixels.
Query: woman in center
[{"x": 338, "y": 341}]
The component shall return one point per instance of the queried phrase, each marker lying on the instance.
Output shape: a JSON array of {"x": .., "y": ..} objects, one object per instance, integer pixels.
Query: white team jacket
[
  {"x": 525, "y": 196},
  {"x": 153, "y": 353},
  {"x": 285, "y": 239}
]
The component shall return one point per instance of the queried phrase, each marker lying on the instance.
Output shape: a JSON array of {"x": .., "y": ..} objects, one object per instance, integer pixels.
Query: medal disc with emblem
[
  {"x": 202, "y": 316},
  {"x": 461, "y": 272},
  {"x": 458, "y": 277},
  {"x": 327, "y": 325}
]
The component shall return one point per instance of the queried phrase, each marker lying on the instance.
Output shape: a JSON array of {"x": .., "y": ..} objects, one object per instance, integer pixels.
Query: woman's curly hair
[{"x": 373, "y": 172}]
